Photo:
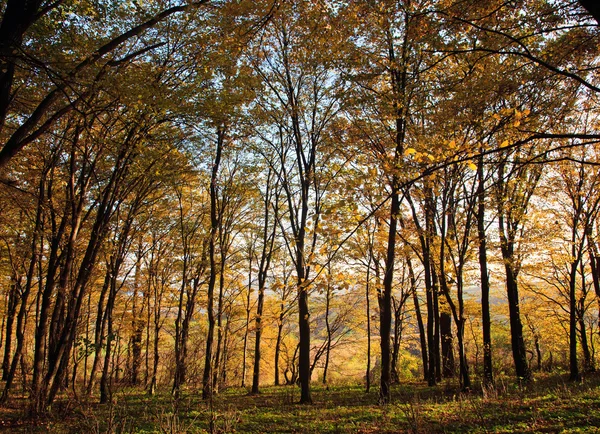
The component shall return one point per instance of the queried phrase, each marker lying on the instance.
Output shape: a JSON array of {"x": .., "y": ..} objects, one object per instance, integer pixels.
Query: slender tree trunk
[
  {"x": 464, "y": 366},
  {"x": 106, "y": 378},
  {"x": 86, "y": 355},
  {"x": 225, "y": 357},
  {"x": 257, "y": 339},
  {"x": 420, "y": 324},
  {"x": 398, "y": 319},
  {"x": 268, "y": 240},
  {"x": 328, "y": 328},
  {"x": 137, "y": 323},
  {"x": 573, "y": 365},
  {"x": 538, "y": 352},
  {"x": 214, "y": 225},
  {"x": 278, "y": 347},
  {"x": 179, "y": 377},
  {"x": 101, "y": 320},
  {"x": 156, "y": 351},
  {"x": 436, "y": 322},
  {"x": 304, "y": 349},
  {"x": 385, "y": 315},
  {"x": 425, "y": 242},
  {"x": 588, "y": 361},
  {"x": 517, "y": 342},
  {"x": 576, "y": 258},
  {"x": 368, "y": 300},
  {"x": 488, "y": 373},
  {"x": 447, "y": 345},
  {"x": 400, "y": 104},
  {"x": 217, "y": 360},
  {"x": 9, "y": 318},
  {"x": 246, "y": 325},
  {"x": 147, "y": 297}
]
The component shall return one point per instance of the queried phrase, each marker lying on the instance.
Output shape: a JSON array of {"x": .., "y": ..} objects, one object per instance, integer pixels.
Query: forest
[{"x": 211, "y": 207}]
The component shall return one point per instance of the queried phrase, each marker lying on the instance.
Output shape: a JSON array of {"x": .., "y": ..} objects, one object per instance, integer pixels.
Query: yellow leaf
[
  {"x": 410, "y": 151},
  {"x": 504, "y": 144},
  {"x": 472, "y": 165}
]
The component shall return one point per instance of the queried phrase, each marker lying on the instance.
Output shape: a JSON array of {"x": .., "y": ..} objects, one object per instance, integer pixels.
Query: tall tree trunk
[
  {"x": 137, "y": 322},
  {"x": 447, "y": 345},
  {"x": 488, "y": 373},
  {"x": 155, "y": 349},
  {"x": 9, "y": 318},
  {"x": 327, "y": 327},
  {"x": 400, "y": 104},
  {"x": 86, "y": 354},
  {"x": 368, "y": 300},
  {"x": 257, "y": 341},
  {"x": 588, "y": 361},
  {"x": 398, "y": 320},
  {"x": 147, "y": 298},
  {"x": 516, "y": 326},
  {"x": 420, "y": 325},
  {"x": 268, "y": 240},
  {"x": 436, "y": 321},
  {"x": 106, "y": 378},
  {"x": 304, "y": 325},
  {"x": 225, "y": 357},
  {"x": 574, "y": 374},
  {"x": 179, "y": 376},
  {"x": 217, "y": 358},
  {"x": 101, "y": 320},
  {"x": 278, "y": 346},
  {"x": 246, "y": 323},
  {"x": 385, "y": 315},
  {"x": 214, "y": 225}
]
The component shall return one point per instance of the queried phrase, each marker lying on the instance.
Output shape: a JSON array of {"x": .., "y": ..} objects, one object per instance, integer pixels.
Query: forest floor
[{"x": 549, "y": 405}]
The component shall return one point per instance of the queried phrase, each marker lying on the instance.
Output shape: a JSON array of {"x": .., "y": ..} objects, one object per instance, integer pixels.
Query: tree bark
[
  {"x": 592, "y": 7},
  {"x": 214, "y": 226},
  {"x": 11, "y": 312},
  {"x": 328, "y": 328},
  {"x": 368, "y": 300},
  {"x": 488, "y": 373},
  {"x": 18, "y": 16},
  {"x": 447, "y": 345}
]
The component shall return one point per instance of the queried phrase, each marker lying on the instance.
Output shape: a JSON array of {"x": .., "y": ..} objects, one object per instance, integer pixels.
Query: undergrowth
[{"x": 550, "y": 404}]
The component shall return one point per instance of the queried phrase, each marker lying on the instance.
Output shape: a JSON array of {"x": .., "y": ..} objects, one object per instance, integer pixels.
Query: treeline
[{"x": 228, "y": 193}]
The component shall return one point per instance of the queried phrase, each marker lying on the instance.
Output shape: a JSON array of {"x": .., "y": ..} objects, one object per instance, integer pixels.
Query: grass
[{"x": 549, "y": 405}]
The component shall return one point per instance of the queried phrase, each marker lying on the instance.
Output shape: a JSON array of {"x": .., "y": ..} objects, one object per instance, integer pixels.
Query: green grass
[{"x": 549, "y": 405}]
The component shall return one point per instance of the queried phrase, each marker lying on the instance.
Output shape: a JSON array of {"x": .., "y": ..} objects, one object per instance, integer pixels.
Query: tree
[{"x": 296, "y": 68}]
